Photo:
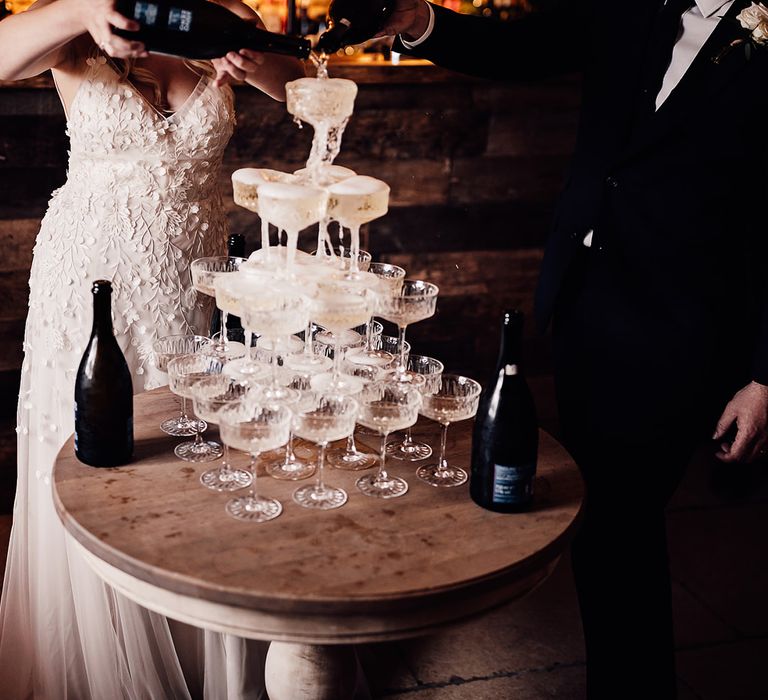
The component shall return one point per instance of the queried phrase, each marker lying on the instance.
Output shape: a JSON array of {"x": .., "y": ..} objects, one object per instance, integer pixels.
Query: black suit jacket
[{"x": 676, "y": 197}]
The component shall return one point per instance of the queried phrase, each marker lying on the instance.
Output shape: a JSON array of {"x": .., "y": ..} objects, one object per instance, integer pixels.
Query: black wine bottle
[
  {"x": 103, "y": 392},
  {"x": 506, "y": 437},
  {"x": 200, "y": 29},
  {"x": 352, "y": 22},
  {"x": 235, "y": 249}
]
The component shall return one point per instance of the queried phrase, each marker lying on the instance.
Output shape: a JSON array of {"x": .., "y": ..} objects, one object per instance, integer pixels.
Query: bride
[{"x": 141, "y": 201}]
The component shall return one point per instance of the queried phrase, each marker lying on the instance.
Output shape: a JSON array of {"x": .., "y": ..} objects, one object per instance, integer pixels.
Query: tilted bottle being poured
[
  {"x": 352, "y": 22},
  {"x": 200, "y": 29}
]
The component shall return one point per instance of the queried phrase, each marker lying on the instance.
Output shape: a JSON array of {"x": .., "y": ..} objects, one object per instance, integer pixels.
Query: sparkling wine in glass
[
  {"x": 350, "y": 458},
  {"x": 356, "y": 201},
  {"x": 253, "y": 429},
  {"x": 212, "y": 395},
  {"x": 205, "y": 272},
  {"x": 339, "y": 309},
  {"x": 300, "y": 398},
  {"x": 390, "y": 281},
  {"x": 329, "y": 418},
  {"x": 386, "y": 407},
  {"x": 184, "y": 372},
  {"x": 415, "y": 301},
  {"x": 455, "y": 400},
  {"x": 231, "y": 290},
  {"x": 166, "y": 349},
  {"x": 275, "y": 313},
  {"x": 432, "y": 371},
  {"x": 291, "y": 208}
]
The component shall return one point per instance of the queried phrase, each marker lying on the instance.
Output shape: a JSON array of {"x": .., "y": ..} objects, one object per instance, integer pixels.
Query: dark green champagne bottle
[
  {"x": 353, "y": 22},
  {"x": 103, "y": 392},
  {"x": 506, "y": 437},
  {"x": 235, "y": 249},
  {"x": 200, "y": 29}
]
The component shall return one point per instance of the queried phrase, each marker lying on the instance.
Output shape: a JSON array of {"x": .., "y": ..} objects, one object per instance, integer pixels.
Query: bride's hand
[
  {"x": 240, "y": 66},
  {"x": 98, "y": 17}
]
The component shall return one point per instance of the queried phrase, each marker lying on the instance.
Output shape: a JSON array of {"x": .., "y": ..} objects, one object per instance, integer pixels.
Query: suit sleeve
[
  {"x": 537, "y": 46},
  {"x": 760, "y": 360}
]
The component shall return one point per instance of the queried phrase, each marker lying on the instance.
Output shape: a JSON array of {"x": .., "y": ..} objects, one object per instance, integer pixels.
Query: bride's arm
[
  {"x": 267, "y": 72},
  {"x": 41, "y": 37}
]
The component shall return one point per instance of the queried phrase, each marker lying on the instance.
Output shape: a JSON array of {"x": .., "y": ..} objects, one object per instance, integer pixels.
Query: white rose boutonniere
[{"x": 753, "y": 19}]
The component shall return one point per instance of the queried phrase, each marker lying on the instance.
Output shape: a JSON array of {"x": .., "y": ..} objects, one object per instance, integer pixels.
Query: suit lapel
[{"x": 703, "y": 79}]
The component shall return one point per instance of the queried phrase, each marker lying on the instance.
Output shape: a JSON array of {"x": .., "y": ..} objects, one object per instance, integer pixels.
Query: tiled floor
[{"x": 532, "y": 649}]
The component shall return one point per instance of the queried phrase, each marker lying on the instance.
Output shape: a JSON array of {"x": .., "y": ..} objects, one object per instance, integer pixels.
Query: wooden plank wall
[{"x": 474, "y": 169}]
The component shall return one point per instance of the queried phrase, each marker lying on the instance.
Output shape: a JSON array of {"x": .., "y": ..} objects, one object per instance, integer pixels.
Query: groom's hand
[
  {"x": 410, "y": 19},
  {"x": 749, "y": 411}
]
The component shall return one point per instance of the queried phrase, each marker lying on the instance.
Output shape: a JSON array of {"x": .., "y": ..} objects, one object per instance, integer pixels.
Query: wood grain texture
[{"x": 432, "y": 547}]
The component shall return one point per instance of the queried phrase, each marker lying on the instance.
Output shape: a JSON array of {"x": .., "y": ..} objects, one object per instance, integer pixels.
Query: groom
[{"x": 654, "y": 277}]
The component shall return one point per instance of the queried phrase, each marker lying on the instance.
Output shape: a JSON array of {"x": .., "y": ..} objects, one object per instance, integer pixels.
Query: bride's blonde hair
[{"x": 128, "y": 70}]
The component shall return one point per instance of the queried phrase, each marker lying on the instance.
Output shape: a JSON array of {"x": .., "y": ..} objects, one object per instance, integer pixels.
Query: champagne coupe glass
[
  {"x": 392, "y": 345},
  {"x": 432, "y": 371},
  {"x": 415, "y": 301},
  {"x": 329, "y": 418},
  {"x": 356, "y": 201},
  {"x": 184, "y": 372},
  {"x": 205, "y": 271},
  {"x": 326, "y": 105},
  {"x": 276, "y": 312},
  {"x": 340, "y": 308},
  {"x": 292, "y": 208},
  {"x": 290, "y": 467},
  {"x": 326, "y": 341},
  {"x": 385, "y": 407},
  {"x": 254, "y": 428},
  {"x": 350, "y": 458},
  {"x": 212, "y": 395},
  {"x": 388, "y": 344},
  {"x": 455, "y": 400},
  {"x": 230, "y": 292},
  {"x": 390, "y": 281},
  {"x": 167, "y": 349}
]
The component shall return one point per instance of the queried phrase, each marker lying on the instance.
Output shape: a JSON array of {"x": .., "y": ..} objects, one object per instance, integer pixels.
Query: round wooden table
[{"x": 311, "y": 582}]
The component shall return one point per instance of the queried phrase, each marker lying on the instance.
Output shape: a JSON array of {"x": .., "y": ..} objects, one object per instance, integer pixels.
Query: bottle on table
[
  {"x": 506, "y": 438},
  {"x": 353, "y": 22},
  {"x": 103, "y": 392},
  {"x": 235, "y": 249},
  {"x": 200, "y": 29}
]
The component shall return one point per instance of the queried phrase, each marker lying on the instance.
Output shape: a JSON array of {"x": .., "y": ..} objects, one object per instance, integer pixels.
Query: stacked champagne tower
[{"x": 344, "y": 372}]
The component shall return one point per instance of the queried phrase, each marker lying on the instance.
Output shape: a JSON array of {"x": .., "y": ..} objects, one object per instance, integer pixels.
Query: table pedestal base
[{"x": 313, "y": 672}]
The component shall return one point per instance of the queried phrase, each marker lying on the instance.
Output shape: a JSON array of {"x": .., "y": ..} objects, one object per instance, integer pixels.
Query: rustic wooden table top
[{"x": 154, "y": 521}]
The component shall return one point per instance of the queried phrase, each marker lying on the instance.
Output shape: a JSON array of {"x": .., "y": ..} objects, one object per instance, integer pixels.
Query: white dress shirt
[{"x": 697, "y": 25}]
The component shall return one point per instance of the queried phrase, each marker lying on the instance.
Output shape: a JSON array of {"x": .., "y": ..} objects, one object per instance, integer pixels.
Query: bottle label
[
  {"x": 145, "y": 13},
  {"x": 179, "y": 20},
  {"x": 513, "y": 485}
]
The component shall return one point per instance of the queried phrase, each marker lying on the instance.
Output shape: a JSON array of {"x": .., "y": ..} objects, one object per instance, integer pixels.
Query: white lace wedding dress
[{"x": 140, "y": 203}]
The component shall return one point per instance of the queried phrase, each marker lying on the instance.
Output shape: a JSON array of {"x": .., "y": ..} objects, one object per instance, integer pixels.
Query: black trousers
[{"x": 632, "y": 419}]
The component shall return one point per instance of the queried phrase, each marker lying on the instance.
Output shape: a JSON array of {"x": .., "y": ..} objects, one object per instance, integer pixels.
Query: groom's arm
[{"x": 541, "y": 44}]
